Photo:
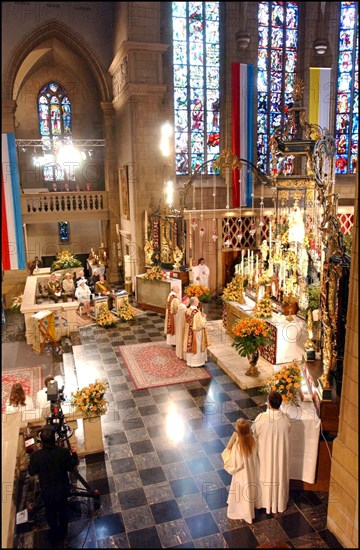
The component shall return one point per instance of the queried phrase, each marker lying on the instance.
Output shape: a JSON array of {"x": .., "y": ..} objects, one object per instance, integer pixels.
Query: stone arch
[{"x": 50, "y": 30}]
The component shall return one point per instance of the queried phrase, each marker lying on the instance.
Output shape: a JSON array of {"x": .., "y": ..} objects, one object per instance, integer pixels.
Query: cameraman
[{"x": 52, "y": 464}]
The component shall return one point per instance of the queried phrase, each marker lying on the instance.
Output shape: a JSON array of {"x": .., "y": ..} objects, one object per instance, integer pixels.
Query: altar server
[
  {"x": 201, "y": 273},
  {"x": 244, "y": 490},
  {"x": 172, "y": 305},
  {"x": 272, "y": 432},
  {"x": 196, "y": 340},
  {"x": 180, "y": 327}
]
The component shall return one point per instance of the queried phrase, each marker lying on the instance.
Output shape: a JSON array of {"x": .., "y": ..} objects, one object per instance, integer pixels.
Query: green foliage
[{"x": 314, "y": 297}]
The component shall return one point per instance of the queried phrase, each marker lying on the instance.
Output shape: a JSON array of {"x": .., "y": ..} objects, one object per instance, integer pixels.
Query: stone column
[
  {"x": 8, "y": 116},
  {"x": 342, "y": 518},
  {"x": 112, "y": 188}
]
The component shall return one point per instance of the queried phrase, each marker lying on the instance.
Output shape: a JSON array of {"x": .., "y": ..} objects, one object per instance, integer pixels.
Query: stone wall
[{"x": 343, "y": 494}]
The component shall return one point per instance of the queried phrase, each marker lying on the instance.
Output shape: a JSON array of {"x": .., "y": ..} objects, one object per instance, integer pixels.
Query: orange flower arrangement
[
  {"x": 90, "y": 399},
  {"x": 250, "y": 334},
  {"x": 200, "y": 291},
  {"x": 286, "y": 381}
]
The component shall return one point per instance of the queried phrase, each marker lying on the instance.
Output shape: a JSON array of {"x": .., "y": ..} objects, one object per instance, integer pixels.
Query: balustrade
[{"x": 67, "y": 202}]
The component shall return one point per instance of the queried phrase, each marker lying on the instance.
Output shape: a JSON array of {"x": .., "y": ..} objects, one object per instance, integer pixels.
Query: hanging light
[
  {"x": 202, "y": 232},
  {"x": 227, "y": 241},
  {"x": 215, "y": 236},
  {"x": 169, "y": 191},
  {"x": 194, "y": 222}
]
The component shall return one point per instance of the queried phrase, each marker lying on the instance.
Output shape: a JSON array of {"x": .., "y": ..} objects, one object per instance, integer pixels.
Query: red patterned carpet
[
  {"x": 155, "y": 364},
  {"x": 29, "y": 378}
]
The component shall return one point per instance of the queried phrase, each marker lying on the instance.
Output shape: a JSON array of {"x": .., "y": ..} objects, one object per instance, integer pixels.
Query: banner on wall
[
  {"x": 319, "y": 97},
  {"x": 243, "y": 129},
  {"x": 12, "y": 236}
]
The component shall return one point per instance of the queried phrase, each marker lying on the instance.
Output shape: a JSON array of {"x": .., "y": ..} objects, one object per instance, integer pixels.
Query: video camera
[{"x": 56, "y": 419}]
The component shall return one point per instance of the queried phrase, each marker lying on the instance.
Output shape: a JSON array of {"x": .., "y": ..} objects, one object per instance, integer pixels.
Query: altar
[
  {"x": 152, "y": 295},
  {"x": 288, "y": 337}
]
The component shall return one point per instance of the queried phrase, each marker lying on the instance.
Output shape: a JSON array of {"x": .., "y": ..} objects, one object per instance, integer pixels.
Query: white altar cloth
[
  {"x": 304, "y": 441},
  {"x": 290, "y": 335}
]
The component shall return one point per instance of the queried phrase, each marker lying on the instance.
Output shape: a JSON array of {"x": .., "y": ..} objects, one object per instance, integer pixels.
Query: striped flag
[
  {"x": 243, "y": 129},
  {"x": 319, "y": 97},
  {"x": 12, "y": 237}
]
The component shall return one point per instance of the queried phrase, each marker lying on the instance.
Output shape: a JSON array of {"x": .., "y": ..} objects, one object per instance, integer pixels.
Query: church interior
[{"x": 161, "y": 150}]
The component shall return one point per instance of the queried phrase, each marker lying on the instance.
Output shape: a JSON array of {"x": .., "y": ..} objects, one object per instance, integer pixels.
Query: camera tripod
[{"x": 64, "y": 432}]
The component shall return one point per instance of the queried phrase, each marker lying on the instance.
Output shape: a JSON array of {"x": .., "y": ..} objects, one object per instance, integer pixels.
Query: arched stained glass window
[
  {"x": 347, "y": 94},
  {"x": 277, "y": 61},
  {"x": 54, "y": 110},
  {"x": 196, "y": 61}
]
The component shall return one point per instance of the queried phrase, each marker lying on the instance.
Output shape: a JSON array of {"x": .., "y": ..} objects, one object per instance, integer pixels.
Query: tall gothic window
[
  {"x": 347, "y": 94},
  {"x": 277, "y": 61},
  {"x": 196, "y": 61},
  {"x": 55, "y": 128}
]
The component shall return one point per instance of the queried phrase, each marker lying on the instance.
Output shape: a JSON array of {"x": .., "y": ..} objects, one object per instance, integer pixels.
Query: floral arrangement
[
  {"x": 232, "y": 291},
  {"x": 65, "y": 260},
  {"x": 250, "y": 334},
  {"x": 126, "y": 312},
  {"x": 90, "y": 399},
  {"x": 200, "y": 291},
  {"x": 105, "y": 318},
  {"x": 154, "y": 274},
  {"x": 16, "y": 305},
  {"x": 263, "y": 308},
  {"x": 286, "y": 381},
  {"x": 264, "y": 279}
]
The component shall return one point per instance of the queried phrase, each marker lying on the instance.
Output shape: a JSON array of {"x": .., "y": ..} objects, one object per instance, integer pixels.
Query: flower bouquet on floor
[
  {"x": 90, "y": 400},
  {"x": 126, "y": 312},
  {"x": 105, "y": 318},
  {"x": 65, "y": 260},
  {"x": 200, "y": 291},
  {"x": 249, "y": 335},
  {"x": 286, "y": 381}
]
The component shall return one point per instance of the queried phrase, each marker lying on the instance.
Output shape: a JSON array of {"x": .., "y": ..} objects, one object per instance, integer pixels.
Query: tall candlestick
[
  {"x": 146, "y": 225},
  {"x": 257, "y": 269},
  {"x": 270, "y": 238},
  {"x": 242, "y": 263}
]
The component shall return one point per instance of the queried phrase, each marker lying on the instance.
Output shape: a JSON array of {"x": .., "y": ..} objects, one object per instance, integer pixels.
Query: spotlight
[
  {"x": 83, "y": 155},
  {"x": 91, "y": 154},
  {"x": 23, "y": 149}
]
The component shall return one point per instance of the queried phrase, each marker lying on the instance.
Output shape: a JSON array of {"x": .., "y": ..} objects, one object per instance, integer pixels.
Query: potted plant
[
  {"x": 126, "y": 312},
  {"x": 249, "y": 335},
  {"x": 234, "y": 291},
  {"x": 16, "y": 305},
  {"x": 154, "y": 274}
]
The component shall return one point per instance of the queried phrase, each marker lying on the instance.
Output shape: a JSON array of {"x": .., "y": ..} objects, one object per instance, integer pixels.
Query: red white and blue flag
[
  {"x": 243, "y": 130},
  {"x": 12, "y": 236}
]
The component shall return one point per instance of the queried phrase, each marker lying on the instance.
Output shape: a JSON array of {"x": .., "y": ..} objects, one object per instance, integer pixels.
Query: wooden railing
[{"x": 68, "y": 204}]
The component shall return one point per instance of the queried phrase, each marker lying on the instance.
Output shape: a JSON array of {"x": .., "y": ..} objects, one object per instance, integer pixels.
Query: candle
[
  {"x": 270, "y": 237},
  {"x": 127, "y": 266},
  {"x": 146, "y": 225},
  {"x": 257, "y": 269},
  {"x": 242, "y": 262},
  {"x": 252, "y": 263}
]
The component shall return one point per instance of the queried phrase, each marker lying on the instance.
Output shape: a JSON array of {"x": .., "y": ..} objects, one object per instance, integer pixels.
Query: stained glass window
[
  {"x": 54, "y": 110},
  {"x": 347, "y": 95},
  {"x": 196, "y": 60},
  {"x": 277, "y": 60}
]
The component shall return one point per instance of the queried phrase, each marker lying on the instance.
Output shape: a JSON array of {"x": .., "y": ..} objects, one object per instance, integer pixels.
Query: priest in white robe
[
  {"x": 180, "y": 327},
  {"x": 201, "y": 273},
  {"x": 172, "y": 305},
  {"x": 271, "y": 429},
  {"x": 196, "y": 340}
]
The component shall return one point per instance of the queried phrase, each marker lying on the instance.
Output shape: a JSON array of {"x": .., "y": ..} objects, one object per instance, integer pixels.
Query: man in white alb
[
  {"x": 196, "y": 340},
  {"x": 201, "y": 273},
  {"x": 271, "y": 429}
]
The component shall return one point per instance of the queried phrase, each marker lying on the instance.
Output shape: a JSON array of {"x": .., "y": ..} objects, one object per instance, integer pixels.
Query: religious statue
[
  {"x": 149, "y": 251},
  {"x": 264, "y": 250},
  {"x": 177, "y": 255},
  {"x": 296, "y": 226}
]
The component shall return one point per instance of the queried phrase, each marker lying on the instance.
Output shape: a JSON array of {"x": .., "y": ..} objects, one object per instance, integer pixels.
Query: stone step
[
  {"x": 86, "y": 368},
  {"x": 70, "y": 380}
]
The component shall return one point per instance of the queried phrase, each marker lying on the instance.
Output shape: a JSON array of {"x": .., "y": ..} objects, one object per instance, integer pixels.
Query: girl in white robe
[{"x": 244, "y": 489}]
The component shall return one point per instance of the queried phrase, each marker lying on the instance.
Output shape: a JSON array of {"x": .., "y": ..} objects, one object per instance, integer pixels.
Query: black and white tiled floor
[{"x": 161, "y": 479}]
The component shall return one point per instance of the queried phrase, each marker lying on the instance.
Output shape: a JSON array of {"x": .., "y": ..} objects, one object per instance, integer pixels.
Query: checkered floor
[{"x": 161, "y": 479}]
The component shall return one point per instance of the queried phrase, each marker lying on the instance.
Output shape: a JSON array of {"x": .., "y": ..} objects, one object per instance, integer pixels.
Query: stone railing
[{"x": 64, "y": 203}]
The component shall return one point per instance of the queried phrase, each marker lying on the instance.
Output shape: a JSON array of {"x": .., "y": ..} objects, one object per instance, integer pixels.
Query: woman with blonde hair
[{"x": 244, "y": 488}]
